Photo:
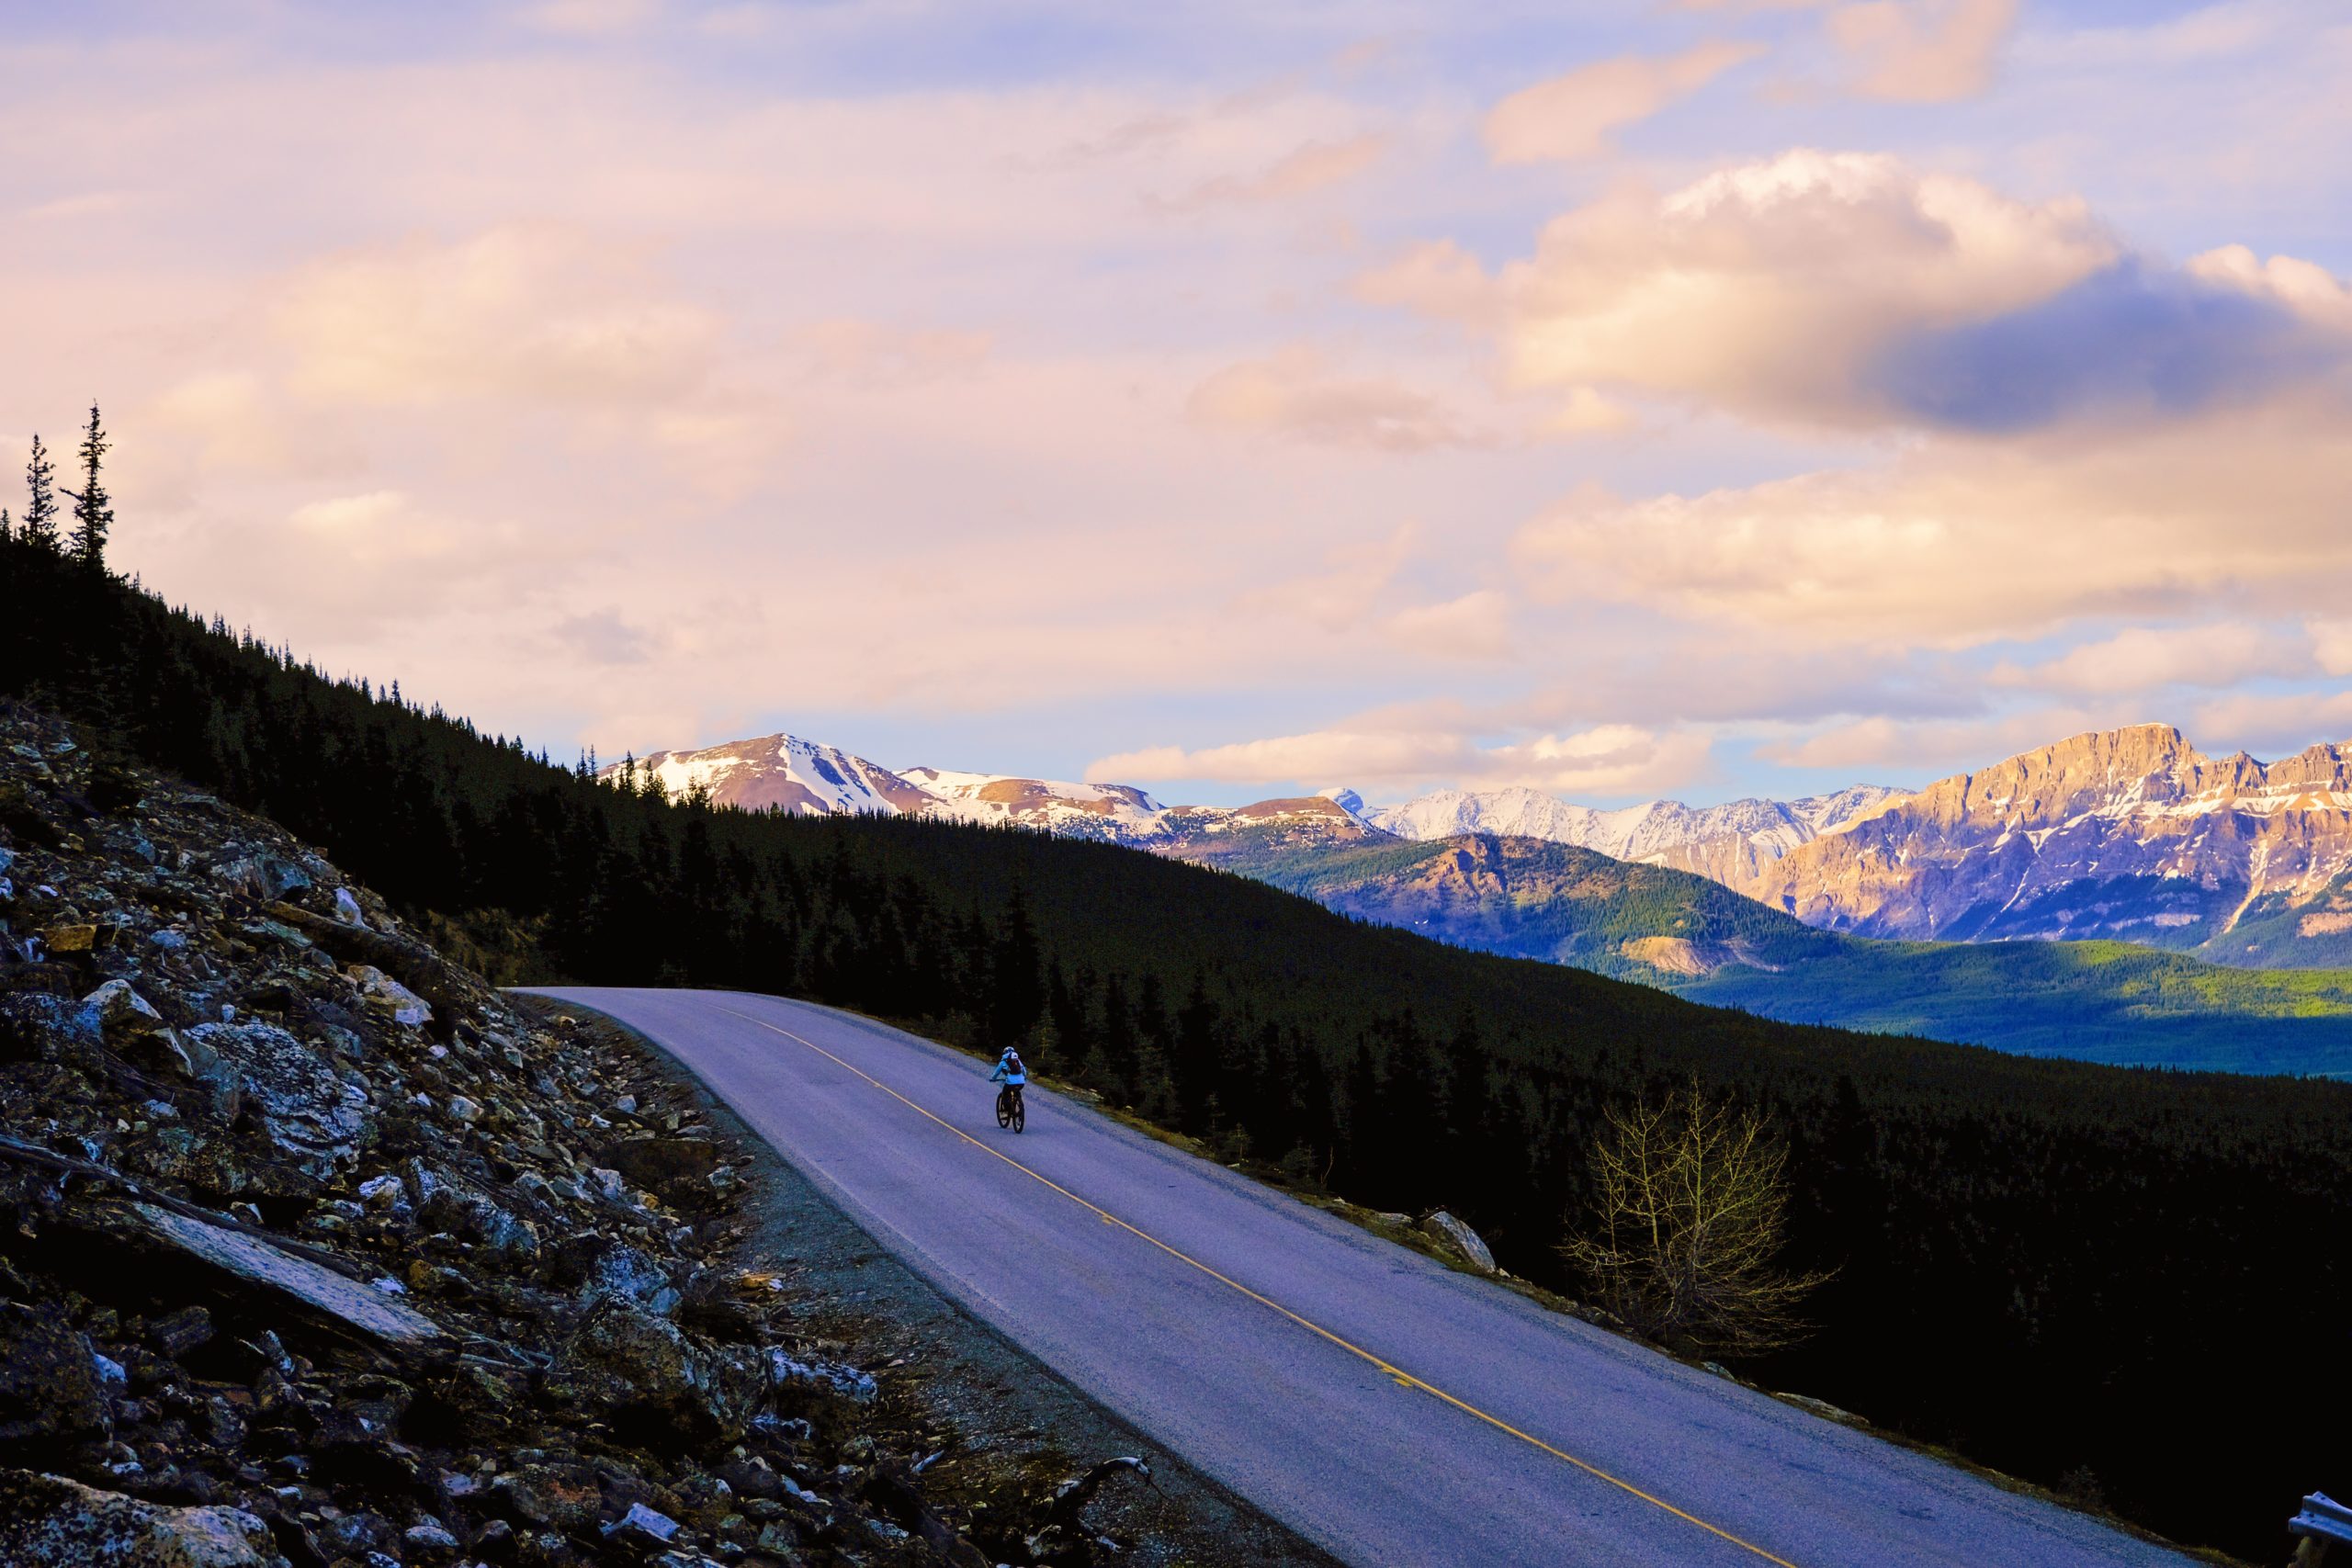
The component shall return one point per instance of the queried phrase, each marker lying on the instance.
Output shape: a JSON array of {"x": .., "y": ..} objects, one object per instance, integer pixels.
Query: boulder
[
  {"x": 51, "y": 1391},
  {"x": 667, "y": 1166},
  {"x": 254, "y": 1265},
  {"x": 644, "y": 1369},
  {"x": 314, "y": 1115},
  {"x": 389, "y": 998},
  {"x": 47, "y": 1521},
  {"x": 129, "y": 1021},
  {"x": 1458, "y": 1241}
]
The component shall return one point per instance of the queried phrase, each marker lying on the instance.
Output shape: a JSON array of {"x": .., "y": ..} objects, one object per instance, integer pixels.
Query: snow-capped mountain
[
  {"x": 2131, "y": 833},
  {"x": 783, "y": 773},
  {"x": 1117, "y": 812},
  {"x": 1731, "y": 842}
]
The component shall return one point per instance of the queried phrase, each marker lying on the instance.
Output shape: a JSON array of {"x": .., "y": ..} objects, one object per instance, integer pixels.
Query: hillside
[
  {"x": 2054, "y": 1266},
  {"x": 2097, "y": 1000}
]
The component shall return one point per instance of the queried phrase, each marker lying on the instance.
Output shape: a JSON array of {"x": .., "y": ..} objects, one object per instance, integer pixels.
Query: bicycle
[{"x": 1009, "y": 1111}]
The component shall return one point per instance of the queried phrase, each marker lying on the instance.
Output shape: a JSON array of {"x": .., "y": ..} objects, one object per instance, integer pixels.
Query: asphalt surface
[{"x": 1387, "y": 1408}]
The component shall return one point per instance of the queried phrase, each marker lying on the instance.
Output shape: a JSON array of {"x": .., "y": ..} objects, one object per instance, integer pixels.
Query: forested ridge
[{"x": 2126, "y": 1281}]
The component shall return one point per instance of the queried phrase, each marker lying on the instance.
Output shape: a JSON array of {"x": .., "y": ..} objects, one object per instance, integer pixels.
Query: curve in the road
[{"x": 1267, "y": 1341}]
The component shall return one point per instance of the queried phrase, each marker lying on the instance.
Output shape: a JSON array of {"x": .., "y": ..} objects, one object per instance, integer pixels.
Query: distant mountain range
[
  {"x": 2131, "y": 834},
  {"x": 1655, "y": 893},
  {"x": 1733, "y": 843}
]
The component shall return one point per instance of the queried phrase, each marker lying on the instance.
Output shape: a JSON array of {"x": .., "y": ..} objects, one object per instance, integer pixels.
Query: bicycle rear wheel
[{"x": 1020, "y": 1110}]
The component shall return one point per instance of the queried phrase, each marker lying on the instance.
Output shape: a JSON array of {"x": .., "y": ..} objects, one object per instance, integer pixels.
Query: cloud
[
  {"x": 1923, "y": 52},
  {"x": 1295, "y": 393},
  {"x": 1852, "y": 290},
  {"x": 1773, "y": 289},
  {"x": 1299, "y": 173},
  {"x": 2275, "y": 724},
  {"x": 533, "y": 311},
  {"x": 877, "y": 354},
  {"x": 1570, "y": 117},
  {"x": 604, "y": 636},
  {"x": 1475, "y": 626},
  {"x": 1438, "y": 278},
  {"x": 1608, "y": 760},
  {"x": 1957, "y": 543},
  {"x": 1341, "y": 598},
  {"x": 2146, "y": 659},
  {"x": 592, "y": 17},
  {"x": 1928, "y": 747},
  {"x": 2331, "y": 643},
  {"x": 235, "y": 419}
]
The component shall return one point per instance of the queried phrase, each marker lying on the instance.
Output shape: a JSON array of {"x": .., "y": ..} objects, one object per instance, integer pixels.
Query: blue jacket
[{"x": 1006, "y": 1072}]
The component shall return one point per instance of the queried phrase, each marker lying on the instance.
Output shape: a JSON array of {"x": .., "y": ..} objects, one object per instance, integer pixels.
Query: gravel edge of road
[{"x": 1008, "y": 1409}]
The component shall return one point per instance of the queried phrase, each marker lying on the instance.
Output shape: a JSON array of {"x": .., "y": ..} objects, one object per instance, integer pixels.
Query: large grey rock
[
  {"x": 1458, "y": 1240},
  {"x": 632, "y": 1364},
  {"x": 312, "y": 1114},
  {"x": 129, "y": 1021},
  {"x": 256, "y": 1263},
  {"x": 47, "y": 1521}
]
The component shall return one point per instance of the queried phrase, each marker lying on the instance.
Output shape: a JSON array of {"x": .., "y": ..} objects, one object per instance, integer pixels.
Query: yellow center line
[{"x": 1398, "y": 1373}]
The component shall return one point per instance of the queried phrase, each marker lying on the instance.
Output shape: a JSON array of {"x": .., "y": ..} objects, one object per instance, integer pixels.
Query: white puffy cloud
[
  {"x": 1847, "y": 289},
  {"x": 1570, "y": 117},
  {"x": 1769, "y": 289},
  {"x": 1958, "y": 543}
]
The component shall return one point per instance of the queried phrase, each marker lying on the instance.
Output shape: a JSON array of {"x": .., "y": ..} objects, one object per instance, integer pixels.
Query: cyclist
[{"x": 1011, "y": 1073}]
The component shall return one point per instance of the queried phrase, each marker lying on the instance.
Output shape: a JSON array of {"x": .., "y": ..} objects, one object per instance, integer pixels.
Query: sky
[{"x": 1700, "y": 399}]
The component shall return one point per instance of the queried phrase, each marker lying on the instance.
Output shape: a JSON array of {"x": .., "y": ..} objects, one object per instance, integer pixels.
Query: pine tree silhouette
[
  {"x": 91, "y": 513},
  {"x": 40, "y": 526}
]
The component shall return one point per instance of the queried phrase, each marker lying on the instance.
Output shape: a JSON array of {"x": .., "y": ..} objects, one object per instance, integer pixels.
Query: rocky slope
[
  {"x": 317, "y": 1252},
  {"x": 2130, "y": 833}
]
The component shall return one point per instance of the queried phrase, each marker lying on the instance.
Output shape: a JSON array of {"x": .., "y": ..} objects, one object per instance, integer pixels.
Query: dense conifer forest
[{"x": 2127, "y": 1283}]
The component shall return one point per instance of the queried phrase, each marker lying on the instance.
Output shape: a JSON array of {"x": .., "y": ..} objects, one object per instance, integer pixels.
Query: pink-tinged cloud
[
  {"x": 538, "y": 311},
  {"x": 1606, "y": 760},
  {"x": 1853, "y": 290},
  {"x": 2148, "y": 658},
  {"x": 1571, "y": 117},
  {"x": 1957, "y": 543},
  {"x": 1923, "y": 52},
  {"x": 1299, "y": 394}
]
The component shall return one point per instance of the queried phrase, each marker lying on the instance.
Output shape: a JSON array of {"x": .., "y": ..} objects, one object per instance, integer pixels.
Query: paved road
[{"x": 1390, "y": 1410}]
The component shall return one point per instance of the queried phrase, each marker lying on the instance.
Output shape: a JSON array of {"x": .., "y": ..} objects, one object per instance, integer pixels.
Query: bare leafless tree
[{"x": 1691, "y": 1211}]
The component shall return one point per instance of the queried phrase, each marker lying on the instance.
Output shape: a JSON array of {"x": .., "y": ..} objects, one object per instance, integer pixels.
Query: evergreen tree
[
  {"x": 92, "y": 515},
  {"x": 40, "y": 526},
  {"x": 7, "y": 527}
]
